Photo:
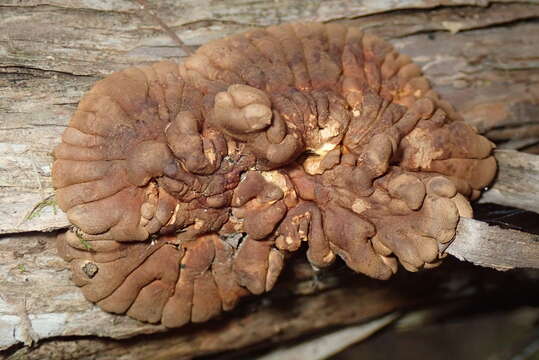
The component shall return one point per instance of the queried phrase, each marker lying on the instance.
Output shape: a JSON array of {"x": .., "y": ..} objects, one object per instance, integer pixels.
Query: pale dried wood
[
  {"x": 517, "y": 181},
  {"x": 51, "y": 52},
  {"x": 494, "y": 247}
]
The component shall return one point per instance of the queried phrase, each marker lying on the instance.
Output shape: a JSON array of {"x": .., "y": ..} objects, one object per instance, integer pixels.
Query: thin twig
[
  {"x": 492, "y": 246},
  {"x": 144, "y": 7},
  {"x": 39, "y": 207},
  {"x": 517, "y": 182}
]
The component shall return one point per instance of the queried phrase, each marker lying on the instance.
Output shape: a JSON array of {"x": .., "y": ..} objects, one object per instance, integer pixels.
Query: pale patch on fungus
[
  {"x": 426, "y": 151},
  {"x": 312, "y": 163},
  {"x": 360, "y": 206},
  {"x": 332, "y": 129},
  {"x": 276, "y": 178}
]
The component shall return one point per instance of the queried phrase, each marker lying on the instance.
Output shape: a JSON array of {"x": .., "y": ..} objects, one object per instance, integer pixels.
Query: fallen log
[{"x": 51, "y": 53}]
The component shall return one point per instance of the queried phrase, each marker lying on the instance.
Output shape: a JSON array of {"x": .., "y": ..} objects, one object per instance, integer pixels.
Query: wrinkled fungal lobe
[{"x": 188, "y": 184}]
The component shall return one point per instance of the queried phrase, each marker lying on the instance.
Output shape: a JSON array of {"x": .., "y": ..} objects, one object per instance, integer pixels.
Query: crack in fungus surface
[{"x": 188, "y": 184}]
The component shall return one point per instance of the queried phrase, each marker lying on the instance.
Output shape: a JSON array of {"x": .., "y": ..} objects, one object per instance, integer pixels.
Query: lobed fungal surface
[{"x": 188, "y": 185}]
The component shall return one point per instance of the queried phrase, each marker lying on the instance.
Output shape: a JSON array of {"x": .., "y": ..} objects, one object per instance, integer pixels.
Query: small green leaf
[
  {"x": 40, "y": 206},
  {"x": 21, "y": 268},
  {"x": 84, "y": 242}
]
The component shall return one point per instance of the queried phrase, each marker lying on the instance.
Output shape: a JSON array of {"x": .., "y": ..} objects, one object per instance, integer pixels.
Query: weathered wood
[
  {"x": 52, "y": 52},
  {"x": 494, "y": 247},
  {"x": 517, "y": 182}
]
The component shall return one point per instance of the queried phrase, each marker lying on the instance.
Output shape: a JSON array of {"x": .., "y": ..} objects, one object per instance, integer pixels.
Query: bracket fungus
[{"x": 187, "y": 185}]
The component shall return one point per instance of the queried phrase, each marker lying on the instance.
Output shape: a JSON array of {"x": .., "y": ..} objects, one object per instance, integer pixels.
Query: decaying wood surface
[
  {"x": 480, "y": 55},
  {"x": 492, "y": 246},
  {"x": 517, "y": 182}
]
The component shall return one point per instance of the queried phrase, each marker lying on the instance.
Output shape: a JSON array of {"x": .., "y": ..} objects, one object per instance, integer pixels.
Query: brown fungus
[{"x": 188, "y": 184}]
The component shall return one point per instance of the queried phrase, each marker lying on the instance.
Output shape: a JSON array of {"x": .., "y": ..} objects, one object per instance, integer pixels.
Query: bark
[
  {"x": 494, "y": 247},
  {"x": 480, "y": 55},
  {"x": 517, "y": 183}
]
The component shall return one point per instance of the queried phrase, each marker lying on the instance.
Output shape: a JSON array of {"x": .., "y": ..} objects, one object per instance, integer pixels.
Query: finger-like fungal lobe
[{"x": 188, "y": 185}]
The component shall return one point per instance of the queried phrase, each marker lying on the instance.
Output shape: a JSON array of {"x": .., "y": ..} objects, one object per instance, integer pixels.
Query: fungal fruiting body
[{"x": 188, "y": 184}]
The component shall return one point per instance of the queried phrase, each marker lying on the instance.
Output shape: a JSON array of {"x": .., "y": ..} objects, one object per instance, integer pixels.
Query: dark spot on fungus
[{"x": 187, "y": 184}]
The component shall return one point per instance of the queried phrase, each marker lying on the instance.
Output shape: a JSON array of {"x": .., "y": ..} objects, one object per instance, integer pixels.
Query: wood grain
[
  {"x": 480, "y": 55},
  {"x": 517, "y": 182},
  {"x": 494, "y": 247}
]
